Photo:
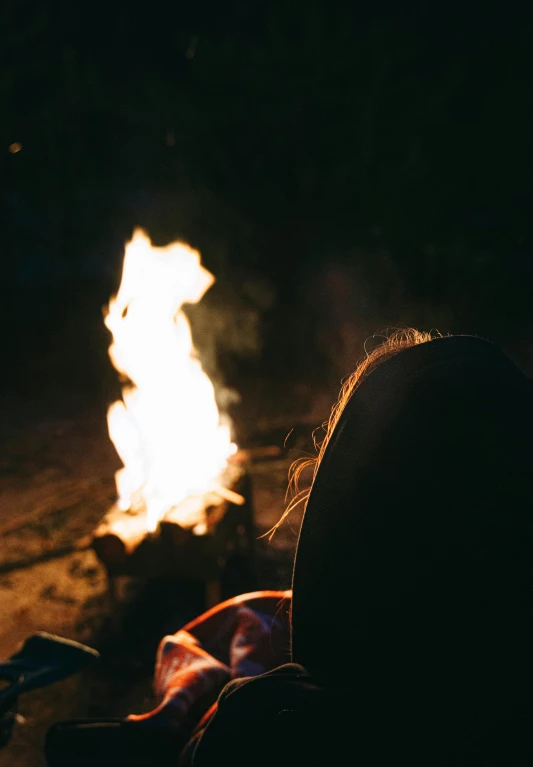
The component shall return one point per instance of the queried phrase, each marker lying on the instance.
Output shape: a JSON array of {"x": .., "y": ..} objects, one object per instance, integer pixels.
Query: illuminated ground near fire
[{"x": 57, "y": 482}]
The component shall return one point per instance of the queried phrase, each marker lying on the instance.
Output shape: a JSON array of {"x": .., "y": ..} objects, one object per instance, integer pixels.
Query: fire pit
[
  {"x": 184, "y": 502},
  {"x": 198, "y": 553}
]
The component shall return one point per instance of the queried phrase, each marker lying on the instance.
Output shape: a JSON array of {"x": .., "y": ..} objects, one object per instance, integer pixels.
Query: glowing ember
[{"x": 167, "y": 429}]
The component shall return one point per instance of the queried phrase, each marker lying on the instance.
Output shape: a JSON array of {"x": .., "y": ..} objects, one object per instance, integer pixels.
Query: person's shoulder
[
  {"x": 289, "y": 679},
  {"x": 276, "y": 717}
]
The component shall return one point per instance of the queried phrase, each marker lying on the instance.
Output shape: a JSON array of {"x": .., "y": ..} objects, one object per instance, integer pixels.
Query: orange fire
[{"x": 167, "y": 428}]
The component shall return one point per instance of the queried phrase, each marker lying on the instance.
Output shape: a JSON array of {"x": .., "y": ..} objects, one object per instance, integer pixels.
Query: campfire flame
[{"x": 167, "y": 429}]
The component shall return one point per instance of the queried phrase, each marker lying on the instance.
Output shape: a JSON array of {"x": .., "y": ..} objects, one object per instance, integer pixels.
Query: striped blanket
[{"x": 244, "y": 636}]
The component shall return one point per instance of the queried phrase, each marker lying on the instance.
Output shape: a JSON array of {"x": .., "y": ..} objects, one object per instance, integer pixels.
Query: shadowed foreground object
[
  {"x": 412, "y": 593},
  {"x": 42, "y": 660}
]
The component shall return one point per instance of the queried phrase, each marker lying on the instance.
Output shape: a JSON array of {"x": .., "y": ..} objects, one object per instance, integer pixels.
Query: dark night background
[{"x": 343, "y": 167}]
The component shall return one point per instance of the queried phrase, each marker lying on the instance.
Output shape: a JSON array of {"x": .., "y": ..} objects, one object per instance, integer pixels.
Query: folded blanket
[{"x": 244, "y": 636}]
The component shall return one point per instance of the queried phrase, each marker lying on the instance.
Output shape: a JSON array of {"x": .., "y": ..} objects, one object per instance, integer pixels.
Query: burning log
[
  {"x": 250, "y": 455},
  {"x": 193, "y": 541},
  {"x": 118, "y": 535}
]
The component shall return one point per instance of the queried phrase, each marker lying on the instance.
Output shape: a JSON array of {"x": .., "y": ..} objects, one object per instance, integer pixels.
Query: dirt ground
[{"x": 56, "y": 475}]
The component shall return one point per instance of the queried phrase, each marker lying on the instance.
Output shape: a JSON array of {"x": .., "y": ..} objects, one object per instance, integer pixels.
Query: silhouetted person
[{"x": 412, "y": 626}]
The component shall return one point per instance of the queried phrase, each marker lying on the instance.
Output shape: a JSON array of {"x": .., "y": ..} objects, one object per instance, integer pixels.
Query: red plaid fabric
[{"x": 244, "y": 636}]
